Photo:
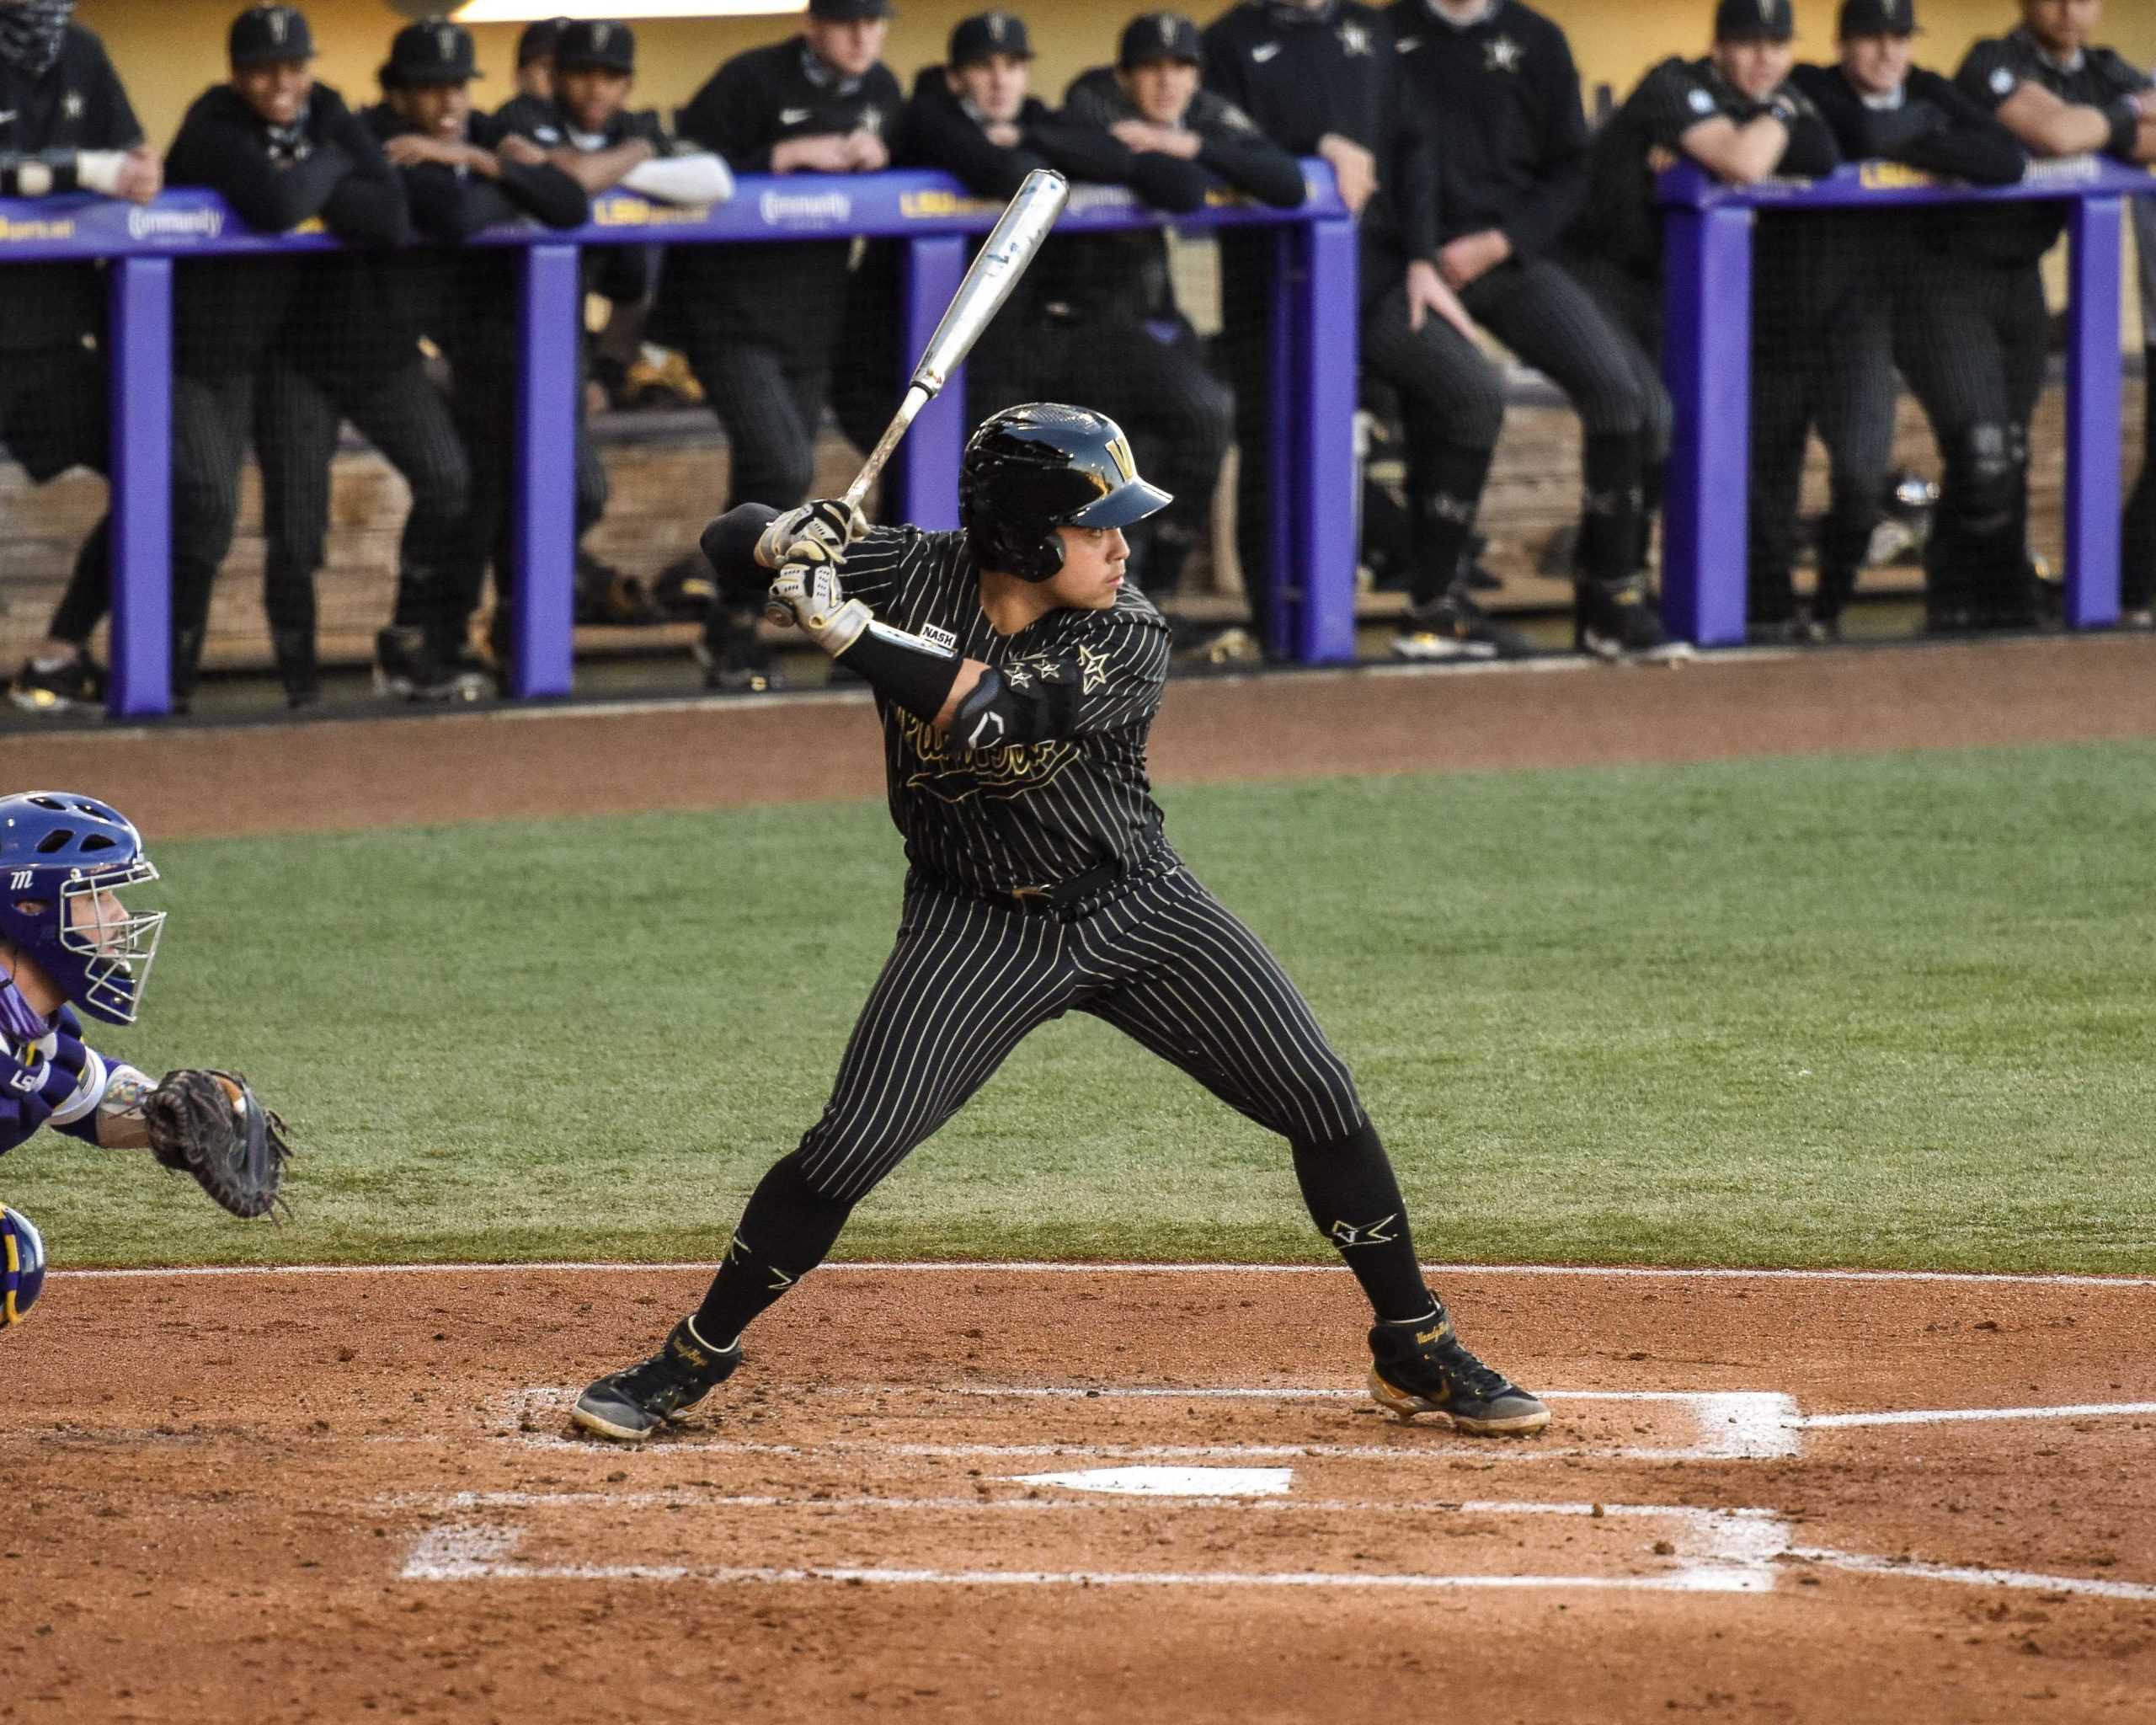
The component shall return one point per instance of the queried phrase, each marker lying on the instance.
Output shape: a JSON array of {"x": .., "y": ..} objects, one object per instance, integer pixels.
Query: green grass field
[{"x": 1891, "y": 1012}]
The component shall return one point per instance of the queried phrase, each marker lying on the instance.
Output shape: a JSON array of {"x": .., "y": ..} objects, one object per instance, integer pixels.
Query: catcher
[{"x": 66, "y": 941}]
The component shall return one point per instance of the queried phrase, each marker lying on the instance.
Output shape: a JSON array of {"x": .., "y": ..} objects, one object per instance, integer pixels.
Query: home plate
[{"x": 1169, "y": 1482}]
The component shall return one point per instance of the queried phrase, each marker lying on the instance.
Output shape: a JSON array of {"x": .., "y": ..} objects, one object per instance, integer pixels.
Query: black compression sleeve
[{"x": 917, "y": 677}]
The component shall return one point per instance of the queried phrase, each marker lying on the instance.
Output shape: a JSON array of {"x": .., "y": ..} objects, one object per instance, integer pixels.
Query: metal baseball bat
[{"x": 1011, "y": 246}]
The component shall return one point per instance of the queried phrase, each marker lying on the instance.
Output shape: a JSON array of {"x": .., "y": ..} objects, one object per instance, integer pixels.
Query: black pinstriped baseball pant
[
  {"x": 1159, "y": 957},
  {"x": 1164, "y": 961}
]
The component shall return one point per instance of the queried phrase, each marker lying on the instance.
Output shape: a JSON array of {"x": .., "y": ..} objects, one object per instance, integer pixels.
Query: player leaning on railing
[
  {"x": 66, "y": 941},
  {"x": 65, "y": 126},
  {"x": 1016, "y": 677},
  {"x": 462, "y": 174},
  {"x": 1108, "y": 323},
  {"x": 1973, "y": 340},
  {"x": 1828, "y": 362},
  {"x": 759, "y": 324}
]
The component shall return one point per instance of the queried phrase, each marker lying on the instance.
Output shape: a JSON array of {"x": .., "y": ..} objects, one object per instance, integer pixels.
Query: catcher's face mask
[{"x": 116, "y": 945}]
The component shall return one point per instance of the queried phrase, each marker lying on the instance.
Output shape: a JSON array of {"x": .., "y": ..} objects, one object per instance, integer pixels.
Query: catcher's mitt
[{"x": 209, "y": 1125}]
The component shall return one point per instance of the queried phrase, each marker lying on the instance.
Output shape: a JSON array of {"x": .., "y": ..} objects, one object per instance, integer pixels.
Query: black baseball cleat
[
  {"x": 1454, "y": 626},
  {"x": 629, "y": 1406},
  {"x": 1421, "y": 1368},
  {"x": 59, "y": 685},
  {"x": 1619, "y": 621}
]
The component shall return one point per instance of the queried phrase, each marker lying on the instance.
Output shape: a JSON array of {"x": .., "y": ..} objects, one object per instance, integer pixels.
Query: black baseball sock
[
  {"x": 784, "y": 1233},
  {"x": 1609, "y": 534},
  {"x": 1355, "y": 1201},
  {"x": 1447, "y": 492}
]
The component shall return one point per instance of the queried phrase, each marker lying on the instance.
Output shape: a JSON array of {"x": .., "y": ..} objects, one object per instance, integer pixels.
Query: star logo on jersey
[
  {"x": 792, "y": 117},
  {"x": 1263, "y": 52},
  {"x": 1701, "y": 102},
  {"x": 1501, "y": 54},
  {"x": 2002, "y": 82},
  {"x": 1092, "y": 669},
  {"x": 871, "y": 121},
  {"x": 71, "y": 105},
  {"x": 1354, "y": 39},
  {"x": 1017, "y": 676}
]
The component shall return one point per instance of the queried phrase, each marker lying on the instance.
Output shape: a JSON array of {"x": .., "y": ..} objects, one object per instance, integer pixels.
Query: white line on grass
[{"x": 1624, "y": 1272}]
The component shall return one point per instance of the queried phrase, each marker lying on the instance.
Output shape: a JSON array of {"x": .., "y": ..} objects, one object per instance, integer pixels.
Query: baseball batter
[{"x": 1017, "y": 676}]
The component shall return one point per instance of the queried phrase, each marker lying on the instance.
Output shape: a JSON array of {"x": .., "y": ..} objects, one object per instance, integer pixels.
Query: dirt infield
[
  {"x": 1098, "y": 1493},
  {"x": 185, "y": 783},
  {"x": 941, "y": 1493}
]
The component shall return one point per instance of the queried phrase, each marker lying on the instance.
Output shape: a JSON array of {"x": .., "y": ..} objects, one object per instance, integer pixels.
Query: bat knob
[{"x": 781, "y": 615}]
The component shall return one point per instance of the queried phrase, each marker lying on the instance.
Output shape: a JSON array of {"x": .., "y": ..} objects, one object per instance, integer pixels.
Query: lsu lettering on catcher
[{"x": 1017, "y": 676}]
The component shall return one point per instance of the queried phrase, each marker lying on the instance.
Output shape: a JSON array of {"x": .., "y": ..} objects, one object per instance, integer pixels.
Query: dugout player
[
  {"x": 463, "y": 173},
  {"x": 759, "y": 323},
  {"x": 1319, "y": 78},
  {"x": 974, "y": 117},
  {"x": 1736, "y": 115},
  {"x": 1972, "y": 336},
  {"x": 589, "y": 133},
  {"x": 65, "y": 126},
  {"x": 1830, "y": 362},
  {"x": 1110, "y": 324},
  {"x": 1016, "y": 675},
  {"x": 1493, "y": 83},
  {"x": 534, "y": 58},
  {"x": 282, "y": 149}
]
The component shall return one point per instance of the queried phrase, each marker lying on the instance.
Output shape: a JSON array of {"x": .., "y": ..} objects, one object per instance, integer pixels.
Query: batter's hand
[
  {"x": 1426, "y": 293},
  {"x": 827, "y": 523},
  {"x": 809, "y": 595}
]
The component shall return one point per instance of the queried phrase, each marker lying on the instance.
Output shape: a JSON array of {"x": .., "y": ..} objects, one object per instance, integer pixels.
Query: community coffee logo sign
[
  {"x": 812, "y": 208},
  {"x": 175, "y": 224}
]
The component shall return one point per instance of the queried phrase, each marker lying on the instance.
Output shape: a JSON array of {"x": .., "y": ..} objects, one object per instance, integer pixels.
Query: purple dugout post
[
  {"x": 1707, "y": 364},
  {"x": 544, "y": 497},
  {"x": 2093, "y": 382},
  {"x": 1320, "y": 421},
  {"x": 925, "y": 484},
  {"x": 140, "y": 381}
]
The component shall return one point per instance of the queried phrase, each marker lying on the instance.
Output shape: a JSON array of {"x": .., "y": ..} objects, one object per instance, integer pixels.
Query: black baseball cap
[
  {"x": 1754, "y": 21},
  {"x": 538, "y": 40},
  {"x": 434, "y": 52},
  {"x": 1159, "y": 35},
  {"x": 851, "y": 11},
  {"x": 596, "y": 42},
  {"x": 264, "y": 34},
  {"x": 975, "y": 38},
  {"x": 1878, "y": 18}
]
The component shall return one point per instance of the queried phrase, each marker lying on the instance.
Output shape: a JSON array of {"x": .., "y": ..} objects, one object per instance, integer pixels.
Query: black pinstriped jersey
[{"x": 1030, "y": 815}]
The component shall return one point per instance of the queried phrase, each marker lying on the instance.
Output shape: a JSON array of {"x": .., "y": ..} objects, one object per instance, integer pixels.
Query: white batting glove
[
  {"x": 808, "y": 594},
  {"x": 827, "y": 522}
]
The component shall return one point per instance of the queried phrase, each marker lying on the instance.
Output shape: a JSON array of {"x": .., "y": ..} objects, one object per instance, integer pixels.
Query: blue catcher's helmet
[
  {"x": 22, "y": 1266},
  {"x": 62, "y": 856}
]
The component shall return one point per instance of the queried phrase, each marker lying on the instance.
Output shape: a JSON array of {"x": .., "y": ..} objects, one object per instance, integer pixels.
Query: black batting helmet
[{"x": 1029, "y": 470}]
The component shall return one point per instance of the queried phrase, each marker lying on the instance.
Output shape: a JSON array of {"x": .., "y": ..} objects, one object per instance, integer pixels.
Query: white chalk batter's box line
[
  {"x": 1712, "y": 1550},
  {"x": 1728, "y": 1425}
]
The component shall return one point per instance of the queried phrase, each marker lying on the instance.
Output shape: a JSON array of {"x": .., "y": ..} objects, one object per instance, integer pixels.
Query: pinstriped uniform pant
[{"x": 1162, "y": 961}]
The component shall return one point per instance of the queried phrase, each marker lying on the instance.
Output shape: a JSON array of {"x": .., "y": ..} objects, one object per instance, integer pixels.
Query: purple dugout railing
[
  {"x": 1707, "y": 359},
  {"x": 1312, "y": 458}
]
